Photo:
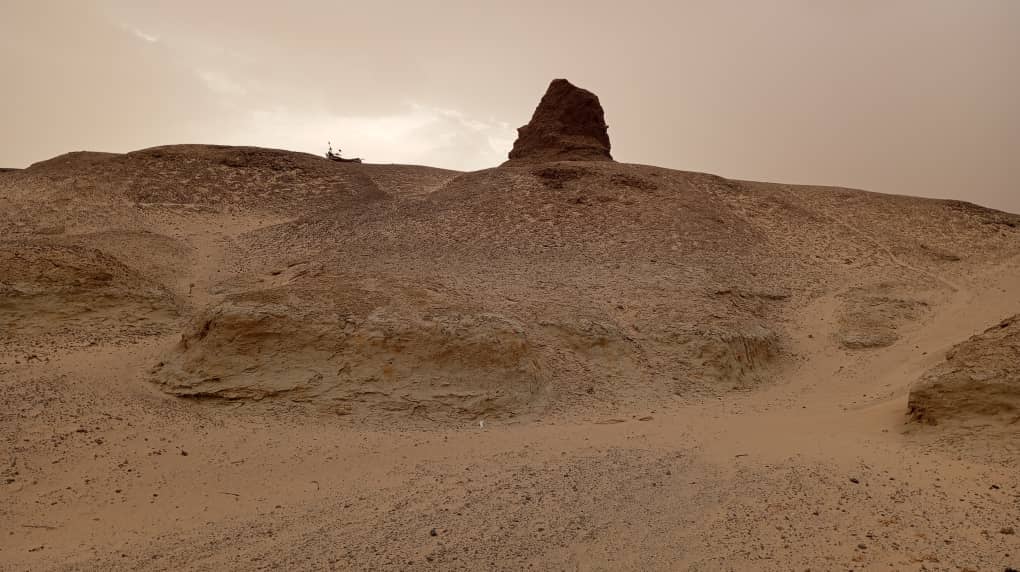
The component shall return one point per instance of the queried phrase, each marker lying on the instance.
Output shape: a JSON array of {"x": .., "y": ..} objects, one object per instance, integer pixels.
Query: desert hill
[
  {"x": 500, "y": 292},
  {"x": 225, "y": 296},
  {"x": 597, "y": 282}
]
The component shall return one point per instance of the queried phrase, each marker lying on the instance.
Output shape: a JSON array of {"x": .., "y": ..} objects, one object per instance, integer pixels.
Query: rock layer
[
  {"x": 74, "y": 295},
  {"x": 439, "y": 366},
  {"x": 980, "y": 379}
]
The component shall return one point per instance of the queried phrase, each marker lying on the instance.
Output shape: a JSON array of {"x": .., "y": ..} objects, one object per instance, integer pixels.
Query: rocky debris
[
  {"x": 980, "y": 378},
  {"x": 568, "y": 125}
]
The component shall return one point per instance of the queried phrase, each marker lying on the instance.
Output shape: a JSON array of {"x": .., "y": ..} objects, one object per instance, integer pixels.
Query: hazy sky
[{"x": 918, "y": 97}]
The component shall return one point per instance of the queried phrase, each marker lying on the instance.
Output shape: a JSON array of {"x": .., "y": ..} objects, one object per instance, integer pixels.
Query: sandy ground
[{"x": 818, "y": 471}]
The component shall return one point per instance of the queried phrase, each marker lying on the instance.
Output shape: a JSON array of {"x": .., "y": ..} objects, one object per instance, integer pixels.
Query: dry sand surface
[{"x": 235, "y": 358}]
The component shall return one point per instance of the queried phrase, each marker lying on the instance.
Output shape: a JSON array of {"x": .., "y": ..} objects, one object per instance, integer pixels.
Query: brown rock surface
[
  {"x": 980, "y": 379},
  {"x": 568, "y": 125}
]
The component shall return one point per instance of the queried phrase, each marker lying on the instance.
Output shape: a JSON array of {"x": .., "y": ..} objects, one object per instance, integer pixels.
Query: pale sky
[{"x": 917, "y": 97}]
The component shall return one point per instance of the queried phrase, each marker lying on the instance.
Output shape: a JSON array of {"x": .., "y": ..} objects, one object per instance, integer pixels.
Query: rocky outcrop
[
  {"x": 393, "y": 360},
  {"x": 980, "y": 379},
  {"x": 74, "y": 295},
  {"x": 568, "y": 125},
  {"x": 872, "y": 316}
]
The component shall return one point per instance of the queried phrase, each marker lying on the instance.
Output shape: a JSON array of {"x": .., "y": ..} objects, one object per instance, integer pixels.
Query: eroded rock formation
[
  {"x": 568, "y": 125},
  {"x": 979, "y": 379}
]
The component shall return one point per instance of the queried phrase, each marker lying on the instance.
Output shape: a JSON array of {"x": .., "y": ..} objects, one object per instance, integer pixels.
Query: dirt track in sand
[{"x": 815, "y": 467}]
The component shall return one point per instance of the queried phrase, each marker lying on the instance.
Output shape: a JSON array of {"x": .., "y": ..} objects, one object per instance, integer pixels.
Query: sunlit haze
[{"x": 913, "y": 97}]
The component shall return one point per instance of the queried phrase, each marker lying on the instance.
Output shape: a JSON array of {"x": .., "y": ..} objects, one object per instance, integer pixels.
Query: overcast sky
[{"x": 918, "y": 97}]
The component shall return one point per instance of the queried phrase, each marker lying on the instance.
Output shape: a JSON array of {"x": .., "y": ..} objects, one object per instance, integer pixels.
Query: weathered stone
[{"x": 568, "y": 125}]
